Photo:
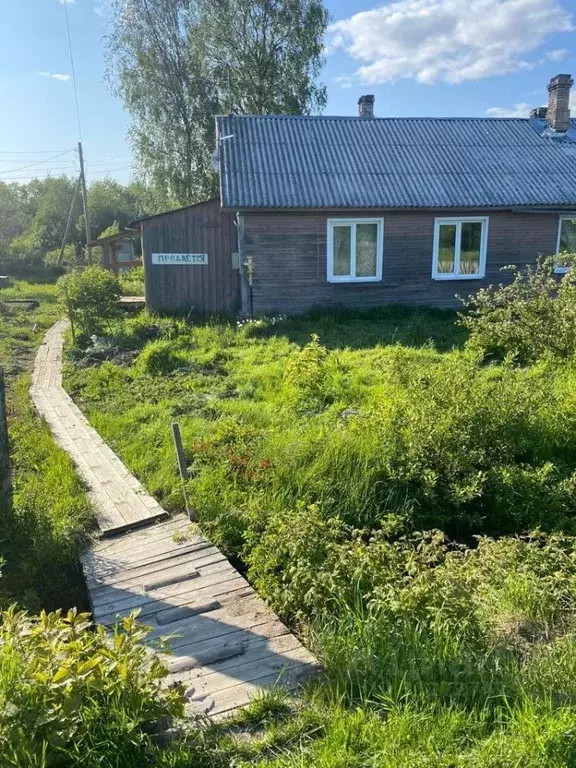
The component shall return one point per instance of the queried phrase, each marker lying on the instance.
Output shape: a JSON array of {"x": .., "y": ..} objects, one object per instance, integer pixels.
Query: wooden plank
[
  {"x": 218, "y": 584},
  {"x": 147, "y": 611},
  {"x": 234, "y": 607},
  {"x": 226, "y": 642},
  {"x": 212, "y": 630},
  {"x": 211, "y": 656},
  {"x": 242, "y": 693},
  {"x": 255, "y": 648},
  {"x": 219, "y": 566},
  {"x": 248, "y": 670},
  {"x": 101, "y": 572},
  {"x": 154, "y": 536},
  {"x": 183, "y": 612},
  {"x": 186, "y": 574}
]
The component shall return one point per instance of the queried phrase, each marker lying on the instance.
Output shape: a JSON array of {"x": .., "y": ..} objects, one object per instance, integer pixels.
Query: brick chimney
[
  {"x": 558, "y": 114},
  {"x": 366, "y": 106}
]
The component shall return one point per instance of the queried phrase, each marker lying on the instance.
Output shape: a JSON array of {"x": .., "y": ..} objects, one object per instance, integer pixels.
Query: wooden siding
[
  {"x": 209, "y": 288},
  {"x": 289, "y": 257}
]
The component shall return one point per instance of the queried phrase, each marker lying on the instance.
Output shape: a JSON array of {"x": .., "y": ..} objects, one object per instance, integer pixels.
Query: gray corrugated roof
[{"x": 348, "y": 162}]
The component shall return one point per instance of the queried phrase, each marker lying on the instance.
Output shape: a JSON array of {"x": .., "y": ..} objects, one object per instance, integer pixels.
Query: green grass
[
  {"x": 50, "y": 513},
  {"x": 320, "y": 449}
]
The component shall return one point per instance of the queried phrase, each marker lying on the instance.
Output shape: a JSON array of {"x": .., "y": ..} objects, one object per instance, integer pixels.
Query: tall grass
[
  {"x": 42, "y": 531},
  {"x": 352, "y": 461}
]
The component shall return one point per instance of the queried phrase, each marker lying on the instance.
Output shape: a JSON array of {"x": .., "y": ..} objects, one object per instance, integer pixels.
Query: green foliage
[
  {"x": 320, "y": 463},
  {"x": 14, "y": 216},
  {"x": 305, "y": 376},
  {"x": 50, "y": 515},
  {"x": 442, "y": 656},
  {"x": 176, "y": 65},
  {"x": 132, "y": 282},
  {"x": 68, "y": 256},
  {"x": 383, "y": 436},
  {"x": 112, "y": 206},
  {"x": 33, "y": 219},
  {"x": 113, "y": 229},
  {"x": 159, "y": 357},
  {"x": 90, "y": 299},
  {"x": 532, "y": 316},
  {"x": 70, "y": 697}
]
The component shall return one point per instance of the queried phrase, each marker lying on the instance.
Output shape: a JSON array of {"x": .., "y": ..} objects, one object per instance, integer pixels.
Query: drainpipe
[{"x": 246, "y": 271}]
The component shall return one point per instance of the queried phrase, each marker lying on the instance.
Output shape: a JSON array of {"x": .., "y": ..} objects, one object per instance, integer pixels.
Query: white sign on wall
[{"x": 179, "y": 258}]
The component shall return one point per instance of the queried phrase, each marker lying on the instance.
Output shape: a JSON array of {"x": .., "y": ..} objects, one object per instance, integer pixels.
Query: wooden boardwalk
[
  {"x": 119, "y": 499},
  {"x": 226, "y": 644}
]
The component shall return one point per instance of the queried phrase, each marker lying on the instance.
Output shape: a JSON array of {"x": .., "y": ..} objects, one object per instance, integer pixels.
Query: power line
[
  {"x": 73, "y": 71},
  {"x": 38, "y": 162},
  {"x": 2, "y": 160},
  {"x": 32, "y": 178},
  {"x": 28, "y": 152},
  {"x": 47, "y": 171}
]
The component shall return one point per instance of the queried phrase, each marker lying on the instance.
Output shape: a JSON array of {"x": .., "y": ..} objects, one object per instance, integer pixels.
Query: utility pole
[
  {"x": 85, "y": 201},
  {"x": 69, "y": 222}
]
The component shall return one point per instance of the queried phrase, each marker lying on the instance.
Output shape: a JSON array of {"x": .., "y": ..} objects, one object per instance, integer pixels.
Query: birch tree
[{"x": 178, "y": 63}]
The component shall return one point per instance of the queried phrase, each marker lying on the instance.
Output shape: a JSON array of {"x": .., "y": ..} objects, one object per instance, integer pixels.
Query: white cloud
[
  {"x": 344, "y": 81},
  {"x": 523, "y": 109},
  {"x": 518, "y": 110},
  {"x": 67, "y": 2},
  {"x": 447, "y": 40},
  {"x": 557, "y": 55},
  {"x": 55, "y": 76}
]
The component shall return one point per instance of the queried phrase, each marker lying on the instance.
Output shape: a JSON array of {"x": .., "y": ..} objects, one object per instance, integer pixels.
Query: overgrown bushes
[
  {"x": 71, "y": 698},
  {"x": 330, "y": 468},
  {"x": 533, "y": 316},
  {"x": 90, "y": 299}
]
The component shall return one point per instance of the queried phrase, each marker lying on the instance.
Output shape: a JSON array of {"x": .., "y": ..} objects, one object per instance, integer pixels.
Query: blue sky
[{"x": 419, "y": 57}]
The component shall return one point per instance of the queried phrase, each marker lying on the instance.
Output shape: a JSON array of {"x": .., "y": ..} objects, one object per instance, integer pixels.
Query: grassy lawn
[
  {"x": 50, "y": 513},
  {"x": 378, "y": 481}
]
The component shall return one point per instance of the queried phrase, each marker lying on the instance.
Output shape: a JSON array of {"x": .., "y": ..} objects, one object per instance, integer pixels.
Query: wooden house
[{"x": 323, "y": 211}]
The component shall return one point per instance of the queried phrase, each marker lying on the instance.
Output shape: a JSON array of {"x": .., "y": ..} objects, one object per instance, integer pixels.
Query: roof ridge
[{"x": 355, "y": 118}]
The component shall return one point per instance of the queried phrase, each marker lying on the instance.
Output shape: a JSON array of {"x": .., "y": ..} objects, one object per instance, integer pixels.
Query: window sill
[
  {"x": 347, "y": 280},
  {"x": 457, "y": 277}
]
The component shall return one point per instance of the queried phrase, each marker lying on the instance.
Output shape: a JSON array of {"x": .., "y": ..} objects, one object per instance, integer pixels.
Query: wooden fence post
[
  {"x": 5, "y": 478},
  {"x": 182, "y": 468}
]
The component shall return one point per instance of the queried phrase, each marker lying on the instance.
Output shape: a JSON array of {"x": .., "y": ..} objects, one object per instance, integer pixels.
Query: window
[
  {"x": 566, "y": 242},
  {"x": 125, "y": 251},
  {"x": 460, "y": 248},
  {"x": 355, "y": 250}
]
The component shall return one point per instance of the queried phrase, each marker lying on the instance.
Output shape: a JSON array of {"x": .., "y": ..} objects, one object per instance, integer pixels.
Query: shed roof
[
  {"x": 174, "y": 210},
  {"x": 349, "y": 162},
  {"x": 126, "y": 234}
]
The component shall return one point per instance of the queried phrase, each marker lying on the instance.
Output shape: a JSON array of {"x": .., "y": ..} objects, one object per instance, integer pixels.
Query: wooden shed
[
  {"x": 119, "y": 251},
  {"x": 190, "y": 259}
]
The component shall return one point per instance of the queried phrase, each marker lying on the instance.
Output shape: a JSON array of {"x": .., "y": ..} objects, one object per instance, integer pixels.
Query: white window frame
[
  {"x": 352, "y": 278},
  {"x": 558, "y": 268},
  {"x": 458, "y": 221}
]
